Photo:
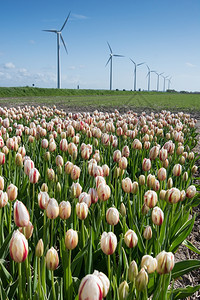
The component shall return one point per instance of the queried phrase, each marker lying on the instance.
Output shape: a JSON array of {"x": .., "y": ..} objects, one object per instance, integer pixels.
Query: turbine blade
[
  {"x": 161, "y": 73},
  {"x": 133, "y": 61},
  {"x": 140, "y": 64},
  {"x": 108, "y": 61},
  {"x": 65, "y": 21},
  {"x": 148, "y": 67},
  {"x": 50, "y": 30},
  {"x": 109, "y": 47},
  {"x": 118, "y": 55},
  {"x": 63, "y": 43}
]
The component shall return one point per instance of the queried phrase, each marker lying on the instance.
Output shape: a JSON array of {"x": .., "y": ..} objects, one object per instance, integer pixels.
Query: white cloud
[
  {"x": 188, "y": 64},
  {"x": 79, "y": 17},
  {"x": 32, "y": 42},
  {"x": 9, "y": 65}
]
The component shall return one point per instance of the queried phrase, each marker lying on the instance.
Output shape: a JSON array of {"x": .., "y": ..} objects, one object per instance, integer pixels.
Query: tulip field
[{"x": 95, "y": 205}]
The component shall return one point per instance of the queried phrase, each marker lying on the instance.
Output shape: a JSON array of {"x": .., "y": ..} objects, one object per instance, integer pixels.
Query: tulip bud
[
  {"x": 1, "y": 183},
  {"x": 185, "y": 176},
  {"x": 50, "y": 174},
  {"x": 183, "y": 195},
  {"x": 165, "y": 262},
  {"x": 123, "y": 163},
  {"x": 34, "y": 175},
  {"x": 194, "y": 169},
  {"x": 130, "y": 238},
  {"x": 63, "y": 145},
  {"x": 12, "y": 192},
  {"x": 104, "y": 280},
  {"x": 150, "y": 198},
  {"x": 27, "y": 230},
  {"x": 82, "y": 210},
  {"x": 191, "y": 191},
  {"x": 137, "y": 145},
  {"x": 116, "y": 155},
  {"x": 141, "y": 280},
  {"x": 43, "y": 199},
  {"x": 3, "y": 199},
  {"x": 163, "y": 154},
  {"x": 47, "y": 156},
  {"x": 18, "y": 247},
  {"x": 145, "y": 209},
  {"x": 162, "y": 194},
  {"x": 123, "y": 210},
  {"x": 71, "y": 239},
  {"x": 108, "y": 242},
  {"x": 106, "y": 170},
  {"x": 21, "y": 214},
  {"x": 28, "y": 165},
  {"x": 147, "y": 234},
  {"x": 177, "y": 169},
  {"x": 75, "y": 172},
  {"x": 132, "y": 271},
  {"x": 123, "y": 290},
  {"x": 157, "y": 216},
  {"x": 90, "y": 288},
  {"x": 127, "y": 185},
  {"x": 85, "y": 197},
  {"x": 64, "y": 210},
  {"x": 112, "y": 216},
  {"x": 146, "y": 164},
  {"x": 2, "y": 158},
  {"x": 191, "y": 156},
  {"x": 52, "y": 209},
  {"x": 52, "y": 259},
  {"x": 39, "y": 250},
  {"x": 103, "y": 192},
  {"x": 149, "y": 262},
  {"x": 162, "y": 174},
  {"x": 93, "y": 194},
  {"x": 169, "y": 183},
  {"x": 141, "y": 180},
  {"x": 173, "y": 195}
]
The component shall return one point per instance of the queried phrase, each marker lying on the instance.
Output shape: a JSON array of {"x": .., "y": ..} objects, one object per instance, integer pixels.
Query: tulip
[
  {"x": 162, "y": 194},
  {"x": 165, "y": 262},
  {"x": 117, "y": 155},
  {"x": 162, "y": 174},
  {"x": 21, "y": 214},
  {"x": 52, "y": 146},
  {"x": 44, "y": 143},
  {"x": 153, "y": 153},
  {"x": 127, "y": 185},
  {"x": 52, "y": 209},
  {"x": 104, "y": 280},
  {"x": 43, "y": 199},
  {"x": 52, "y": 259},
  {"x": 185, "y": 176},
  {"x": 93, "y": 194},
  {"x": 108, "y": 242},
  {"x": 82, "y": 210},
  {"x": 34, "y": 175},
  {"x": 18, "y": 247},
  {"x": 141, "y": 180},
  {"x": 106, "y": 170},
  {"x": 134, "y": 188},
  {"x": 50, "y": 174},
  {"x": 1, "y": 183},
  {"x": 39, "y": 250},
  {"x": 27, "y": 230},
  {"x": 3, "y": 199},
  {"x": 28, "y": 165},
  {"x": 103, "y": 192},
  {"x": 123, "y": 163},
  {"x": 132, "y": 271},
  {"x": 147, "y": 234},
  {"x": 123, "y": 290},
  {"x": 150, "y": 198},
  {"x": 75, "y": 172},
  {"x": 146, "y": 164},
  {"x": 149, "y": 262},
  {"x": 145, "y": 209},
  {"x": 141, "y": 280},
  {"x": 191, "y": 191},
  {"x": 157, "y": 216},
  {"x": 12, "y": 192},
  {"x": 99, "y": 180},
  {"x": 177, "y": 169},
  {"x": 63, "y": 145},
  {"x": 137, "y": 145},
  {"x": 68, "y": 167},
  {"x": 194, "y": 169},
  {"x": 169, "y": 183},
  {"x": 64, "y": 210},
  {"x": 91, "y": 288},
  {"x": 71, "y": 239},
  {"x": 123, "y": 210},
  {"x": 130, "y": 238},
  {"x": 2, "y": 158},
  {"x": 163, "y": 154},
  {"x": 59, "y": 160},
  {"x": 85, "y": 197},
  {"x": 112, "y": 216},
  {"x": 183, "y": 195},
  {"x": 173, "y": 195}
]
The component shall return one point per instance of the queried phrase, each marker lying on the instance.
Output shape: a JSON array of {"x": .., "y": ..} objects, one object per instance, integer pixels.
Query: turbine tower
[
  {"x": 110, "y": 60},
  {"x": 158, "y": 79},
  {"x": 169, "y": 82},
  {"x": 149, "y": 76},
  {"x": 59, "y": 36},
  {"x": 165, "y": 77},
  {"x": 135, "y": 71}
]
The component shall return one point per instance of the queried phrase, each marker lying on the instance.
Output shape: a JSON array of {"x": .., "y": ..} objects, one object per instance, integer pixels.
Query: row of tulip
[{"x": 101, "y": 203}]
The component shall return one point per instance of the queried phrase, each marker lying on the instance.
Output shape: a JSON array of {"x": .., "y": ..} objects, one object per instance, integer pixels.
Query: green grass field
[{"x": 100, "y": 98}]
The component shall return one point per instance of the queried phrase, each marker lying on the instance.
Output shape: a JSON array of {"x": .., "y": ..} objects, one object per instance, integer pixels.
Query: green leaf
[
  {"x": 184, "y": 267},
  {"x": 184, "y": 231},
  {"x": 183, "y": 293},
  {"x": 4, "y": 272},
  {"x": 190, "y": 246},
  {"x": 12, "y": 289},
  {"x": 3, "y": 295}
]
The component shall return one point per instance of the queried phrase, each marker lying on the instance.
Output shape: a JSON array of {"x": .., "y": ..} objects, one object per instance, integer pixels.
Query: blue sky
[{"x": 163, "y": 34}]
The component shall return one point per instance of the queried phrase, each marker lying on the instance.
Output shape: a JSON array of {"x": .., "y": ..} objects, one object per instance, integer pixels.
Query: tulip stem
[
  {"x": 10, "y": 218},
  {"x": 83, "y": 232},
  {"x": 52, "y": 222},
  {"x": 53, "y": 287},
  {"x": 39, "y": 279},
  {"x": 20, "y": 280},
  {"x": 33, "y": 203},
  {"x": 109, "y": 267}
]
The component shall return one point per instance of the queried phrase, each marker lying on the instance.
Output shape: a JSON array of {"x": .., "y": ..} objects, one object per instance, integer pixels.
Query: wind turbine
[
  {"x": 169, "y": 82},
  {"x": 59, "y": 36},
  {"x": 135, "y": 68},
  {"x": 149, "y": 75},
  {"x": 165, "y": 77},
  {"x": 110, "y": 60},
  {"x": 158, "y": 80}
]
